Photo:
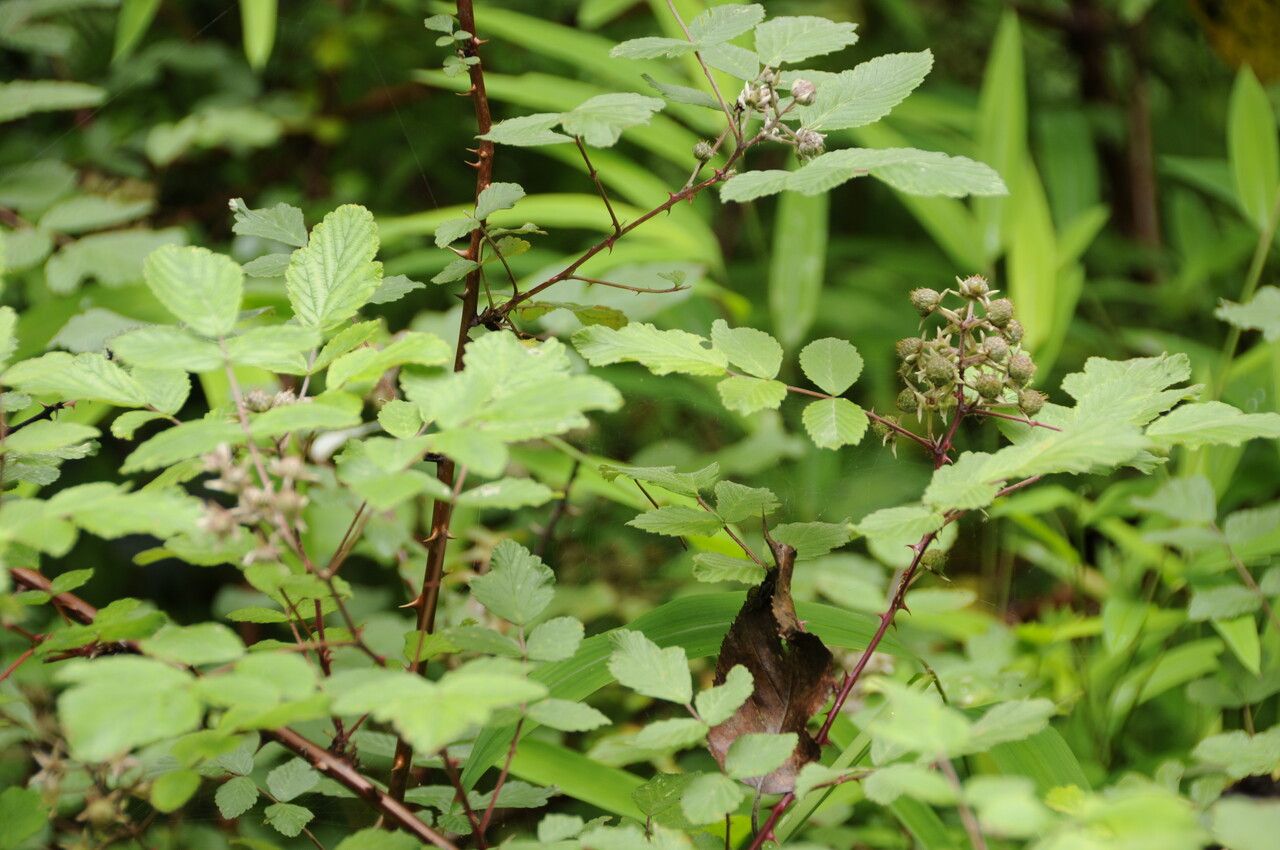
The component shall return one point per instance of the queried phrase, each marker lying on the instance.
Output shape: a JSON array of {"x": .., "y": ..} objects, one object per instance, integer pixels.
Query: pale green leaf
[
  {"x": 1212, "y": 423},
  {"x": 518, "y": 585},
  {"x": 752, "y": 351},
  {"x": 162, "y": 346},
  {"x": 834, "y": 422},
  {"x": 601, "y": 119},
  {"x": 735, "y": 503},
  {"x": 710, "y": 797},
  {"x": 281, "y": 223},
  {"x": 554, "y": 640},
  {"x": 84, "y": 377},
  {"x": 118, "y": 703},
  {"x": 567, "y": 716},
  {"x": 335, "y": 274},
  {"x": 1239, "y": 754},
  {"x": 746, "y": 395},
  {"x": 201, "y": 288},
  {"x": 202, "y": 643},
  {"x": 287, "y": 819},
  {"x": 717, "y": 567},
  {"x": 888, "y": 783},
  {"x": 677, "y": 521},
  {"x": 188, "y": 440},
  {"x": 1262, "y": 313},
  {"x": 759, "y": 753},
  {"x": 236, "y": 796},
  {"x": 525, "y": 131},
  {"x": 864, "y": 94},
  {"x": 717, "y": 704},
  {"x": 812, "y": 539},
  {"x": 795, "y": 39},
  {"x": 832, "y": 364},
  {"x": 641, "y": 665},
  {"x": 292, "y": 779},
  {"x": 1254, "y": 150},
  {"x": 497, "y": 196},
  {"x": 661, "y": 352}
]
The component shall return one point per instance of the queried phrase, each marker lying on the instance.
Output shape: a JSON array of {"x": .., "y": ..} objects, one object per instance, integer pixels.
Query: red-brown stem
[
  {"x": 18, "y": 662},
  {"x": 595, "y": 178},
  {"x": 502, "y": 776},
  {"x": 321, "y": 759},
  {"x": 451, "y": 771},
  {"x": 982, "y": 411},
  {"x": 442, "y": 511}
]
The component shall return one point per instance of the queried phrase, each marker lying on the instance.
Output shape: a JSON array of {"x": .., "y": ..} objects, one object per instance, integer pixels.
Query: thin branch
[
  {"x": 742, "y": 544},
  {"x": 18, "y": 662},
  {"x": 558, "y": 512},
  {"x": 460, "y": 794},
  {"x": 971, "y": 826},
  {"x": 502, "y": 775},
  {"x": 595, "y": 178},
  {"x": 47, "y": 413},
  {"x": 643, "y": 290},
  {"x": 983, "y": 411}
]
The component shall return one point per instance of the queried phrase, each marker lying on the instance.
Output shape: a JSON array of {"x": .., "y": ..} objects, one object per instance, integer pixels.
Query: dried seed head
[
  {"x": 995, "y": 348},
  {"x": 809, "y": 143},
  {"x": 974, "y": 287},
  {"x": 989, "y": 385},
  {"x": 1013, "y": 331},
  {"x": 257, "y": 400},
  {"x": 804, "y": 92},
  {"x": 907, "y": 401},
  {"x": 1000, "y": 312},
  {"x": 283, "y": 398},
  {"x": 1031, "y": 401},
  {"x": 925, "y": 300},
  {"x": 703, "y": 151},
  {"x": 909, "y": 346},
  {"x": 1021, "y": 368}
]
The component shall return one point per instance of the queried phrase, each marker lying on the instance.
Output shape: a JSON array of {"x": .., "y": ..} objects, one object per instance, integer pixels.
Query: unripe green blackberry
[
  {"x": 974, "y": 287},
  {"x": 907, "y": 401},
  {"x": 881, "y": 426},
  {"x": 909, "y": 347},
  {"x": 1030, "y": 401},
  {"x": 703, "y": 151},
  {"x": 989, "y": 386},
  {"x": 934, "y": 560},
  {"x": 995, "y": 348},
  {"x": 1000, "y": 312},
  {"x": 1013, "y": 331},
  {"x": 938, "y": 369},
  {"x": 925, "y": 300},
  {"x": 1021, "y": 368}
]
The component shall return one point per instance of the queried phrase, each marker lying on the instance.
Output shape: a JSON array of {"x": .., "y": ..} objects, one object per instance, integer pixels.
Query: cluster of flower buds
[
  {"x": 257, "y": 504},
  {"x": 974, "y": 356},
  {"x": 763, "y": 96}
]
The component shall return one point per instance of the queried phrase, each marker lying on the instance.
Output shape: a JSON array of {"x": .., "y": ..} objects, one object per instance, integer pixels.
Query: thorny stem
[
  {"x": 982, "y": 411},
  {"x": 442, "y": 512},
  {"x": 595, "y": 178},
  {"x": 327, "y": 763},
  {"x": 17, "y": 662},
  {"x": 557, "y": 513},
  {"x": 47, "y": 413}
]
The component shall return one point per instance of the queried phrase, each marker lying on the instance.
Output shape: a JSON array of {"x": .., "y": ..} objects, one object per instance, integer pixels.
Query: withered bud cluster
[
  {"x": 258, "y": 504},
  {"x": 766, "y": 97},
  {"x": 974, "y": 354}
]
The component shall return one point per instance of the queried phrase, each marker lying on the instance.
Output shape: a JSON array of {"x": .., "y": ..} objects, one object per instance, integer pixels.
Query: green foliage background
[{"x": 1139, "y": 149}]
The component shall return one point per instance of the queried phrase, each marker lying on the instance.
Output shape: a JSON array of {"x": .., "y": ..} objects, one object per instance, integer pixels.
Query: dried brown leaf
[{"x": 791, "y": 669}]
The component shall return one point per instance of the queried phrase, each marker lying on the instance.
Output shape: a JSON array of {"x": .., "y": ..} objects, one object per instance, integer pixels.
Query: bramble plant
[{"x": 403, "y": 661}]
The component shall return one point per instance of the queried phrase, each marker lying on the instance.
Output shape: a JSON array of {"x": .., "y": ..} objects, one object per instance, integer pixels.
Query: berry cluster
[{"x": 974, "y": 358}]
